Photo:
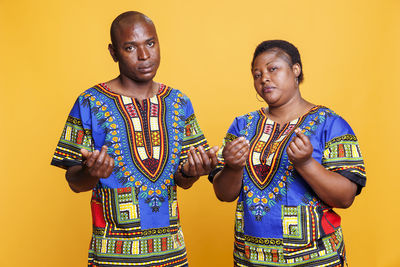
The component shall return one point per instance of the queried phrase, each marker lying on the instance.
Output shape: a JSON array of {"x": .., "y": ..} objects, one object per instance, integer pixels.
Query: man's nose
[{"x": 143, "y": 53}]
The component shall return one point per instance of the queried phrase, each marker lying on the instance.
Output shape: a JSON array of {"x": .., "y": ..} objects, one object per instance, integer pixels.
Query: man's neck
[{"x": 138, "y": 90}]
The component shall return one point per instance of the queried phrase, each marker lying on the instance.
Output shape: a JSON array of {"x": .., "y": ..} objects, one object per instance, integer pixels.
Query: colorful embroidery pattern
[
  {"x": 343, "y": 153},
  {"x": 73, "y": 138},
  {"x": 193, "y": 136},
  {"x": 135, "y": 210},
  {"x": 280, "y": 221}
]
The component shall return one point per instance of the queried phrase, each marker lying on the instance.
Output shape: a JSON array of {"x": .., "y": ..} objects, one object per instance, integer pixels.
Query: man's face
[{"x": 137, "y": 50}]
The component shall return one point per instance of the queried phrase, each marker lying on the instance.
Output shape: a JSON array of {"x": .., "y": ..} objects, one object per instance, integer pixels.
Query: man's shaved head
[{"x": 130, "y": 18}]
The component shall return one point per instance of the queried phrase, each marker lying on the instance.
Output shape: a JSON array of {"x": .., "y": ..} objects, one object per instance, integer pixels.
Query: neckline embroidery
[
  {"x": 146, "y": 130},
  {"x": 267, "y": 147}
]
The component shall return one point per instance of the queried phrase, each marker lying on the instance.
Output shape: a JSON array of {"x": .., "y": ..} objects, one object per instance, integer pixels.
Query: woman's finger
[
  {"x": 303, "y": 137},
  {"x": 294, "y": 148},
  {"x": 299, "y": 143},
  {"x": 240, "y": 148},
  {"x": 289, "y": 152}
]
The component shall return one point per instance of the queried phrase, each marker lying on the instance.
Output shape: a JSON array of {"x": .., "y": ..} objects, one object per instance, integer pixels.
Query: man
[{"x": 132, "y": 140}]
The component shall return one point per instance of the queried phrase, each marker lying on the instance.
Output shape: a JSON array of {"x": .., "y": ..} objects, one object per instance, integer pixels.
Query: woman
[{"x": 289, "y": 164}]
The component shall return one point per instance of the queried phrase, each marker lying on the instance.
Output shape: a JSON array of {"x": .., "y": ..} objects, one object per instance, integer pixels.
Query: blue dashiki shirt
[
  {"x": 280, "y": 221},
  {"x": 135, "y": 210}
]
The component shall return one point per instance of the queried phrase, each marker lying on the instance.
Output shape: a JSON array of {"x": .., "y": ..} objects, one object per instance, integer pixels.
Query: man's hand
[
  {"x": 97, "y": 163},
  {"x": 200, "y": 163}
]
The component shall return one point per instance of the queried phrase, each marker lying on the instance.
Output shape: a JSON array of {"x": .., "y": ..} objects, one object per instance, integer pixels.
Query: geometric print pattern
[
  {"x": 266, "y": 149},
  {"x": 193, "y": 136},
  {"x": 303, "y": 243},
  {"x": 118, "y": 237},
  {"x": 147, "y": 141},
  {"x": 308, "y": 232},
  {"x": 147, "y": 132},
  {"x": 343, "y": 154},
  {"x": 167, "y": 250},
  {"x": 73, "y": 138},
  {"x": 300, "y": 226}
]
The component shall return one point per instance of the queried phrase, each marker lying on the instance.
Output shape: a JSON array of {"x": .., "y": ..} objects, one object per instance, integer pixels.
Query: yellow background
[{"x": 50, "y": 51}]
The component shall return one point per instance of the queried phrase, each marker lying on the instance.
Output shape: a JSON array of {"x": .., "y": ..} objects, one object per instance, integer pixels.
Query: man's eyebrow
[{"x": 147, "y": 40}]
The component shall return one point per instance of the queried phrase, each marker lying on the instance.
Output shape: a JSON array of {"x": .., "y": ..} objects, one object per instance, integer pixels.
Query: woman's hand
[
  {"x": 235, "y": 153},
  {"x": 200, "y": 163},
  {"x": 332, "y": 188},
  {"x": 97, "y": 163},
  {"x": 228, "y": 182},
  {"x": 300, "y": 149}
]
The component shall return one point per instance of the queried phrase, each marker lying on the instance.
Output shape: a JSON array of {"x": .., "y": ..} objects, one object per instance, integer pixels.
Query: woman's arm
[
  {"x": 332, "y": 188},
  {"x": 228, "y": 182}
]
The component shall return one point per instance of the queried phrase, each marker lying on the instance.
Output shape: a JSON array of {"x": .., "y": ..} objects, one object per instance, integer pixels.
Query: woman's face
[{"x": 274, "y": 79}]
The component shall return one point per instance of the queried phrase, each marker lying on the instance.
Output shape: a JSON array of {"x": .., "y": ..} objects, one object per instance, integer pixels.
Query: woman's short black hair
[{"x": 286, "y": 47}]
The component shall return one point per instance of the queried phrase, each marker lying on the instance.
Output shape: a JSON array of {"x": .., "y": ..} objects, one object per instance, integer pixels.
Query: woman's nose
[{"x": 265, "y": 77}]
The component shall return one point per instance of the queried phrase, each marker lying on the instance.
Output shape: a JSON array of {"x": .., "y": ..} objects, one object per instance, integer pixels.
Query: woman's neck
[{"x": 289, "y": 111}]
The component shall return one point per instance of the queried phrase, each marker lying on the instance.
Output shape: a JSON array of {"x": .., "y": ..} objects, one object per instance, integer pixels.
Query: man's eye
[
  {"x": 129, "y": 48},
  {"x": 273, "y": 69},
  {"x": 151, "y": 44}
]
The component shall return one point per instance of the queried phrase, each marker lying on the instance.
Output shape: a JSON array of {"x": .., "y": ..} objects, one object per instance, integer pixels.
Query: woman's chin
[{"x": 270, "y": 100}]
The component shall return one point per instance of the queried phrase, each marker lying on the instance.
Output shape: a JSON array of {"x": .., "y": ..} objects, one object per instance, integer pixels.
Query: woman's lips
[{"x": 268, "y": 89}]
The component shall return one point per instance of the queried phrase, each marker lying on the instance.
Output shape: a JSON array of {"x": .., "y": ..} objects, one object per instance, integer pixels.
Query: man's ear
[{"x": 112, "y": 52}]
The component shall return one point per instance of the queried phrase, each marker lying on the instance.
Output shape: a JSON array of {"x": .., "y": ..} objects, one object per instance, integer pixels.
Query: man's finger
[
  {"x": 92, "y": 159},
  {"x": 204, "y": 158},
  {"x": 85, "y": 153},
  {"x": 101, "y": 157},
  {"x": 196, "y": 159},
  {"x": 190, "y": 161},
  {"x": 213, "y": 156},
  {"x": 109, "y": 164}
]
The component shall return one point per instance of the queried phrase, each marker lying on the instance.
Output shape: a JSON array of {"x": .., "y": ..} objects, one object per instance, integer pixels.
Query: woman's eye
[
  {"x": 272, "y": 69},
  {"x": 256, "y": 75}
]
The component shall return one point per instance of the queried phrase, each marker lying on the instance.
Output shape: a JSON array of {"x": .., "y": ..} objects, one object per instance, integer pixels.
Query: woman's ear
[{"x": 296, "y": 69}]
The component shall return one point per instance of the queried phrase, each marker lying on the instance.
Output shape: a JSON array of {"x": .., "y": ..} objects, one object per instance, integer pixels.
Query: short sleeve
[
  {"x": 234, "y": 131},
  {"x": 342, "y": 152},
  {"x": 193, "y": 135},
  {"x": 76, "y": 134}
]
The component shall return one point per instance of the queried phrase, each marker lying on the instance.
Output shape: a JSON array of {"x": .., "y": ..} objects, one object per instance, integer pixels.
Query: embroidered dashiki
[
  {"x": 135, "y": 210},
  {"x": 280, "y": 221}
]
